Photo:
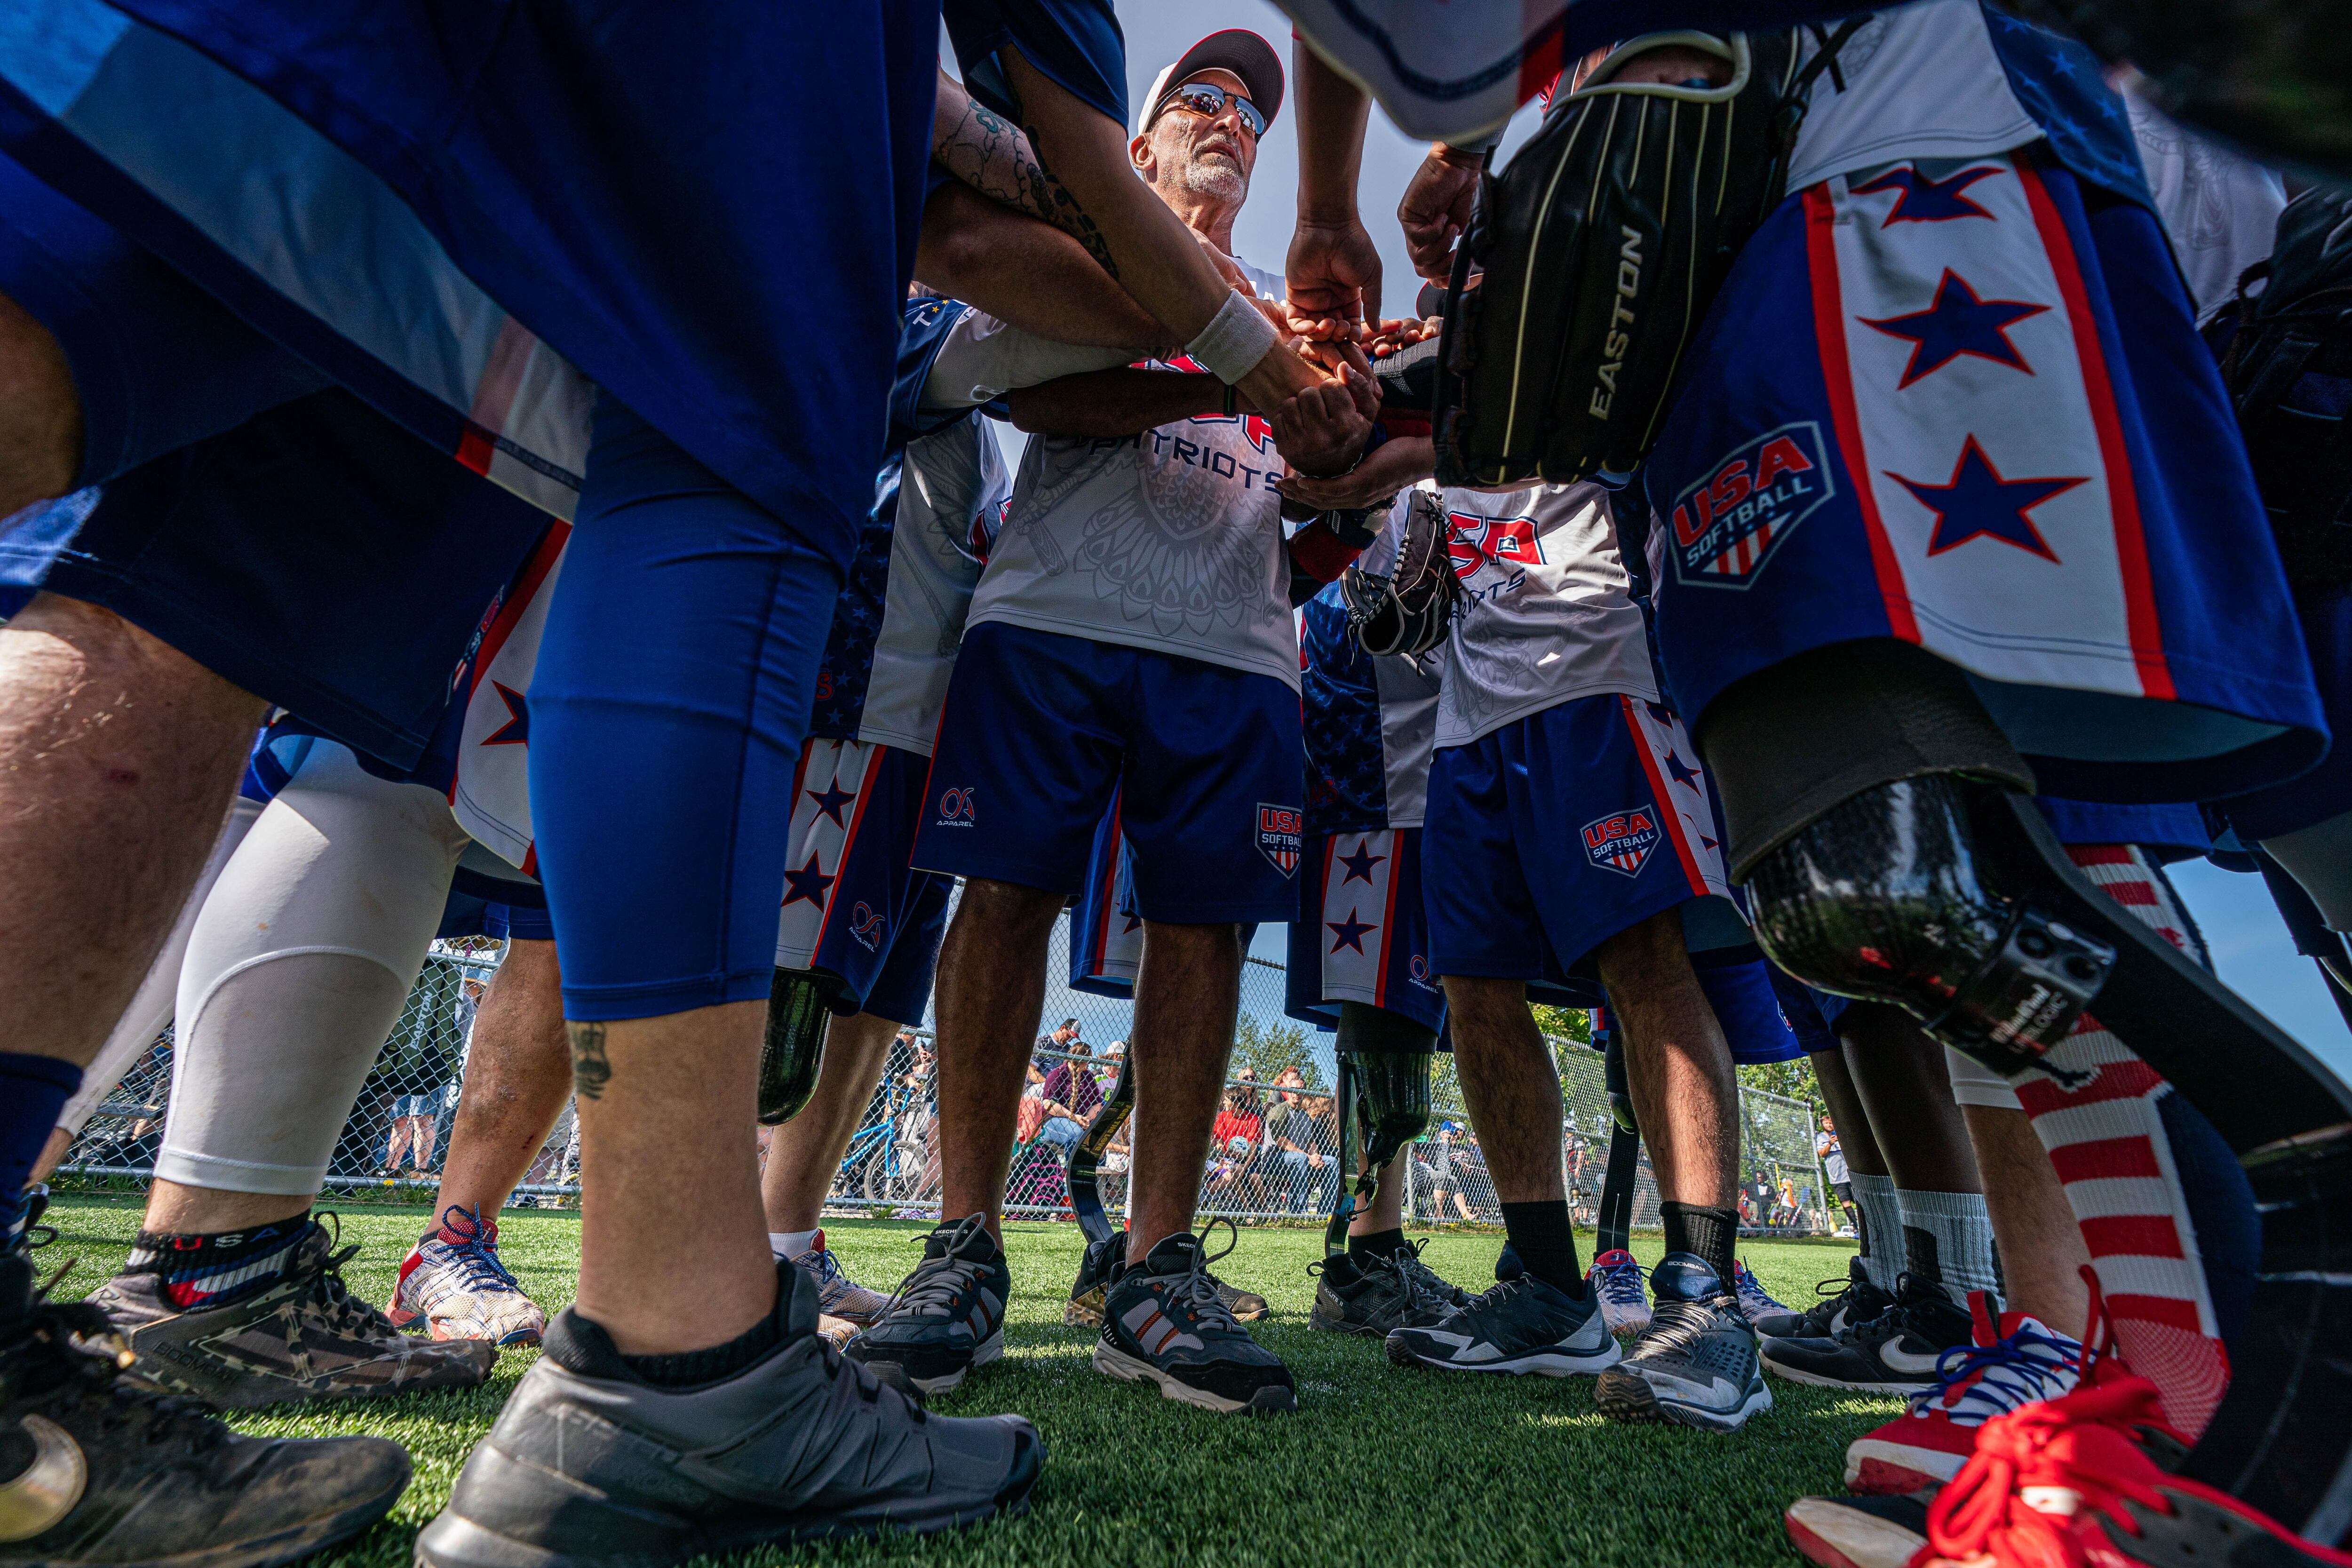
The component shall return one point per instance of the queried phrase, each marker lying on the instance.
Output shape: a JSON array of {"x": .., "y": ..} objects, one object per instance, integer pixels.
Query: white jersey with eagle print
[{"x": 1168, "y": 541}]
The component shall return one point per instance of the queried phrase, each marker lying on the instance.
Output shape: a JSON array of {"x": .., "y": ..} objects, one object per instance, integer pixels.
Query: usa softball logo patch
[
  {"x": 1728, "y": 525},
  {"x": 1282, "y": 836},
  {"x": 1623, "y": 842}
]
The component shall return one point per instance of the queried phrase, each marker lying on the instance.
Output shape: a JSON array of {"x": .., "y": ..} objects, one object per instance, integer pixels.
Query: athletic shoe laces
[
  {"x": 1976, "y": 1382},
  {"x": 1677, "y": 1327},
  {"x": 1423, "y": 1289},
  {"x": 1196, "y": 1287},
  {"x": 1620, "y": 1284},
  {"x": 475, "y": 1257},
  {"x": 935, "y": 1287},
  {"x": 1751, "y": 1292}
]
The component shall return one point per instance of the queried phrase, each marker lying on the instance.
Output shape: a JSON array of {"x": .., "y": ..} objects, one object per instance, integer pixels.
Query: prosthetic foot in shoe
[
  {"x": 1374, "y": 1294},
  {"x": 304, "y": 1336},
  {"x": 1696, "y": 1365},
  {"x": 97, "y": 1471},
  {"x": 589, "y": 1466},
  {"x": 453, "y": 1286},
  {"x": 1164, "y": 1322}
]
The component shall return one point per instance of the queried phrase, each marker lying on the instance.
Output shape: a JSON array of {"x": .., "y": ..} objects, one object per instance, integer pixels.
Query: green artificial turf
[{"x": 1379, "y": 1466}]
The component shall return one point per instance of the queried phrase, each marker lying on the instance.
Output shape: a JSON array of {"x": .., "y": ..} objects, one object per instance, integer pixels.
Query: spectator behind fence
[
  {"x": 1298, "y": 1138},
  {"x": 1070, "y": 1097}
]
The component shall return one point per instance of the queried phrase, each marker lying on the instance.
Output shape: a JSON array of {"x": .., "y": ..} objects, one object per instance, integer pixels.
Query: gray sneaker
[
  {"x": 1375, "y": 1296},
  {"x": 837, "y": 1294},
  {"x": 948, "y": 1317},
  {"x": 1696, "y": 1365},
  {"x": 1164, "y": 1322},
  {"x": 304, "y": 1337},
  {"x": 590, "y": 1466}
]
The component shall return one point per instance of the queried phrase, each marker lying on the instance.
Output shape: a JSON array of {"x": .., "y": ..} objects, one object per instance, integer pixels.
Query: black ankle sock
[
  {"x": 1378, "y": 1244},
  {"x": 1707, "y": 1233},
  {"x": 1540, "y": 1234},
  {"x": 211, "y": 1269},
  {"x": 688, "y": 1368}
]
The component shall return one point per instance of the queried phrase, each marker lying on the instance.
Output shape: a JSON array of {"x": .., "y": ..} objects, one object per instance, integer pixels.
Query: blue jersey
[{"x": 1369, "y": 724}]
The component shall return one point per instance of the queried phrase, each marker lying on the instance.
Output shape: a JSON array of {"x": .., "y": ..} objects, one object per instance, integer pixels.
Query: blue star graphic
[
  {"x": 830, "y": 801},
  {"x": 1681, "y": 773},
  {"x": 1660, "y": 712},
  {"x": 1350, "y": 933},
  {"x": 1958, "y": 324},
  {"x": 808, "y": 882},
  {"x": 1924, "y": 200},
  {"x": 1360, "y": 865},
  {"x": 1978, "y": 500},
  {"x": 516, "y": 730}
]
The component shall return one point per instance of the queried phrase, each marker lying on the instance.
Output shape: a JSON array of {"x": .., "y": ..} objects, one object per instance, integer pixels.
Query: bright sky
[{"x": 2248, "y": 938}]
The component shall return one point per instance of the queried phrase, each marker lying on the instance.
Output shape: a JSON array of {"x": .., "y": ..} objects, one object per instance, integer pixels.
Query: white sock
[
  {"x": 791, "y": 1243},
  {"x": 1882, "y": 1229},
  {"x": 1948, "y": 1237}
]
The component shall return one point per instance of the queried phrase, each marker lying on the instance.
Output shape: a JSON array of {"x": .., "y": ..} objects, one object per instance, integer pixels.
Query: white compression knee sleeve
[
  {"x": 1973, "y": 1083},
  {"x": 150, "y": 1009},
  {"x": 296, "y": 972}
]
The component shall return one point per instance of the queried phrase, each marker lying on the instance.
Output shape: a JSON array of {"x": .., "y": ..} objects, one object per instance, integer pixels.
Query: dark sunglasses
[{"x": 1208, "y": 100}]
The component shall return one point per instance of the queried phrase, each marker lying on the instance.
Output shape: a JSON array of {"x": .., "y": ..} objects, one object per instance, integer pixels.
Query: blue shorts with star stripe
[
  {"x": 855, "y": 910},
  {"x": 1554, "y": 833},
  {"x": 1361, "y": 933}
]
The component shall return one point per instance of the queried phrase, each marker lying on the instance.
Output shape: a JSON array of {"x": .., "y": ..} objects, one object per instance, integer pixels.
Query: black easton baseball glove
[{"x": 1604, "y": 243}]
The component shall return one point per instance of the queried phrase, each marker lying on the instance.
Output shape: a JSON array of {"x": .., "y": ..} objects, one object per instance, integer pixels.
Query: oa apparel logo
[
  {"x": 868, "y": 926},
  {"x": 1282, "y": 836},
  {"x": 955, "y": 808}
]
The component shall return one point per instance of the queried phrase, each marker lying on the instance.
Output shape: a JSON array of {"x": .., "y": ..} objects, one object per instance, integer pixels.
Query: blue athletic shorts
[
  {"x": 667, "y": 708},
  {"x": 1985, "y": 425},
  {"x": 2167, "y": 833},
  {"x": 157, "y": 362},
  {"x": 1738, "y": 986},
  {"x": 316, "y": 555},
  {"x": 518, "y": 922},
  {"x": 1557, "y": 831},
  {"x": 1074, "y": 43},
  {"x": 2326, "y": 791},
  {"x": 855, "y": 910},
  {"x": 1041, "y": 729},
  {"x": 1360, "y": 933}
]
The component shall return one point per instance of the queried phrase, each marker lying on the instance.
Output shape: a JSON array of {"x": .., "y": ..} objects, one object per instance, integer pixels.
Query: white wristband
[{"x": 1236, "y": 339}]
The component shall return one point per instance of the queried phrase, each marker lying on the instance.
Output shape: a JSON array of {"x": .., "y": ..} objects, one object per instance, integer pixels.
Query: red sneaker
[
  {"x": 2068, "y": 1484},
  {"x": 2008, "y": 1365}
]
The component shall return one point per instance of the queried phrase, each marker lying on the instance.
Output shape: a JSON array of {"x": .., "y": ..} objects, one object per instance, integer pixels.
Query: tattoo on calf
[{"x": 590, "y": 1068}]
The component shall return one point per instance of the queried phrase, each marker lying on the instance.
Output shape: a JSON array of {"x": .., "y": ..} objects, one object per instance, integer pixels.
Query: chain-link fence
[{"x": 1273, "y": 1153}]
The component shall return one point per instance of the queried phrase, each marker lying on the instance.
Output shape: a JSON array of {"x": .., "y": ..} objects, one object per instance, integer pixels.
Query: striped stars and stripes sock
[
  {"x": 213, "y": 1270},
  {"x": 2166, "y": 1211}
]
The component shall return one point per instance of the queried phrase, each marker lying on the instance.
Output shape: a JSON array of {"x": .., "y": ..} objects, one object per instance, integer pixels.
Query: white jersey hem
[{"x": 1205, "y": 653}]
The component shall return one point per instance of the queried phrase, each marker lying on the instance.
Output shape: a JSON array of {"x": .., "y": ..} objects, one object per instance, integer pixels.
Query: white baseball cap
[{"x": 1235, "y": 49}]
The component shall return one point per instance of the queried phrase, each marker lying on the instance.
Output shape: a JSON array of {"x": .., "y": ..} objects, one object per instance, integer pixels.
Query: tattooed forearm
[
  {"x": 590, "y": 1068},
  {"x": 989, "y": 154}
]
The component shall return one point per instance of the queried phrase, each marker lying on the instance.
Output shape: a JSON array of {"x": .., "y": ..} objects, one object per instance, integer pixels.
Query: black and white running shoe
[
  {"x": 1855, "y": 1301},
  {"x": 1696, "y": 1365},
  {"x": 1896, "y": 1352},
  {"x": 1100, "y": 1260},
  {"x": 948, "y": 1314},
  {"x": 1520, "y": 1325},
  {"x": 1369, "y": 1294},
  {"x": 1163, "y": 1322}
]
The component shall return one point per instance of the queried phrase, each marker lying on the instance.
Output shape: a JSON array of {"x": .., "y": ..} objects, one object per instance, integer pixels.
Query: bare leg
[
  {"x": 1511, "y": 1087},
  {"x": 516, "y": 1075},
  {"x": 2042, "y": 1250},
  {"x": 1899, "y": 1073},
  {"x": 1855, "y": 1140},
  {"x": 1187, "y": 994},
  {"x": 805, "y": 1154},
  {"x": 205, "y": 1211},
  {"x": 664, "y": 1107},
  {"x": 118, "y": 758},
  {"x": 1677, "y": 1065},
  {"x": 991, "y": 985},
  {"x": 41, "y": 433}
]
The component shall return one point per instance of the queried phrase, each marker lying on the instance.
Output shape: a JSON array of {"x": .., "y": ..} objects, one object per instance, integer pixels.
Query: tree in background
[{"x": 1272, "y": 1047}]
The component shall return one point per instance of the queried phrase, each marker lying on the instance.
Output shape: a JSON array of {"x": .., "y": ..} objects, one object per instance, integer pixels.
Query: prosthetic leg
[
  {"x": 1624, "y": 1160},
  {"x": 1385, "y": 1065},
  {"x": 1952, "y": 899},
  {"x": 793, "y": 1055},
  {"x": 1085, "y": 1307}
]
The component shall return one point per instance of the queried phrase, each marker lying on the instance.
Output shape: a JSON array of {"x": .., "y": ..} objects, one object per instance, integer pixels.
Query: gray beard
[{"x": 1218, "y": 180}]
